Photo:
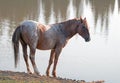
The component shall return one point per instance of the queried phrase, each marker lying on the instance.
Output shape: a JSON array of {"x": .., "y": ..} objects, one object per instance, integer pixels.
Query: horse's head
[{"x": 83, "y": 29}]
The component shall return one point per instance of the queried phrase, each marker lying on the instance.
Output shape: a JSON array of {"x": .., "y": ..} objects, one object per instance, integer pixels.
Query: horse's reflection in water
[{"x": 45, "y": 37}]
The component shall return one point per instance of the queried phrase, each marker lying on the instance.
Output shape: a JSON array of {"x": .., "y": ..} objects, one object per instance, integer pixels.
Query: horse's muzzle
[{"x": 87, "y": 39}]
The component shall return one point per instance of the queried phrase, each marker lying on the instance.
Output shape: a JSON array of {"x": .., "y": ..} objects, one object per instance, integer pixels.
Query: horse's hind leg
[
  {"x": 24, "y": 46},
  {"x": 32, "y": 58}
]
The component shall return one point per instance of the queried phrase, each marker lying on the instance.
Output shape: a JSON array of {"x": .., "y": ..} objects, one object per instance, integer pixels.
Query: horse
[{"x": 52, "y": 37}]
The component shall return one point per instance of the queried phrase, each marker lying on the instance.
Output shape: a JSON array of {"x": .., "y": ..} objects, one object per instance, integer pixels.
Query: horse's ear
[
  {"x": 85, "y": 22},
  {"x": 81, "y": 19},
  {"x": 85, "y": 19}
]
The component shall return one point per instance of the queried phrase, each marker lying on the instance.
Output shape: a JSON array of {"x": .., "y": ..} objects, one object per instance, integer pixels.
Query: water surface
[{"x": 96, "y": 60}]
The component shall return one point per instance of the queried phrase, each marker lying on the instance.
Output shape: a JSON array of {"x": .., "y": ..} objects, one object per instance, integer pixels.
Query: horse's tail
[{"x": 15, "y": 41}]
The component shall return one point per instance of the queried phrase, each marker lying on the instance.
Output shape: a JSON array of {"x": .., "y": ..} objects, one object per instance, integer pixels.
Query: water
[{"x": 96, "y": 60}]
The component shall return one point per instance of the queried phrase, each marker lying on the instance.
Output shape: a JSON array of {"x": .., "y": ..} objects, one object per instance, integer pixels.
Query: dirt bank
[{"x": 21, "y": 77}]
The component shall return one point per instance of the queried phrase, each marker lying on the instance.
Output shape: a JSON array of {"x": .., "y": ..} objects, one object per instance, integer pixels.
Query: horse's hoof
[
  {"x": 47, "y": 74},
  {"x": 37, "y": 73},
  {"x": 54, "y": 74},
  {"x": 29, "y": 72}
]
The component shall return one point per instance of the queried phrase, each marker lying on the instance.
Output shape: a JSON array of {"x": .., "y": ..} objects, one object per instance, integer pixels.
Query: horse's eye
[
  {"x": 77, "y": 25},
  {"x": 83, "y": 27}
]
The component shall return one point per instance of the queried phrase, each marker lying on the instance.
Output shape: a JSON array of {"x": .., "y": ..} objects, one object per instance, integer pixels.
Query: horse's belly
[{"x": 46, "y": 45}]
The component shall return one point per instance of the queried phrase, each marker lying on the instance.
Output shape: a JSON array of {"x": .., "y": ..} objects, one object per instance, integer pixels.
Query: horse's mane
[{"x": 69, "y": 21}]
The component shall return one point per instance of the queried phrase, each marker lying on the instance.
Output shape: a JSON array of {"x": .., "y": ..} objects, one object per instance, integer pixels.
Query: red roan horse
[{"x": 45, "y": 37}]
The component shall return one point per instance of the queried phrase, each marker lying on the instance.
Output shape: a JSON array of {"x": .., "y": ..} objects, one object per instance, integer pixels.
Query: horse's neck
[{"x": 70, "y": 28}]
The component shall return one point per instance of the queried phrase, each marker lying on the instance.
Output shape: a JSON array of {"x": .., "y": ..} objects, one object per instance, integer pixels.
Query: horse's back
[{"x": 29, "y": 24}]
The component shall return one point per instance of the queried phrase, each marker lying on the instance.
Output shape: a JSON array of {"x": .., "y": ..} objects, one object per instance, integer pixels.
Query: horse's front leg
[
  {"x": 52, "y": 55},
  {"x": 57, "y": 53}
]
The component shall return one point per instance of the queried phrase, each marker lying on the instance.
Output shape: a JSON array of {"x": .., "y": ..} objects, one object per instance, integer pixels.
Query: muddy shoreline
[{"x": 22, "y": 77}]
